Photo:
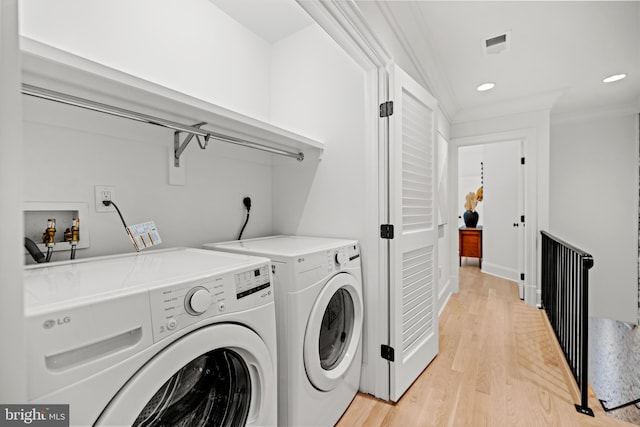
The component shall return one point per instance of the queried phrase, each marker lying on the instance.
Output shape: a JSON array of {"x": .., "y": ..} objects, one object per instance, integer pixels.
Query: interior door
[
  {"x": 501, "y": 235},
  {"x": 413, "y": 312}
]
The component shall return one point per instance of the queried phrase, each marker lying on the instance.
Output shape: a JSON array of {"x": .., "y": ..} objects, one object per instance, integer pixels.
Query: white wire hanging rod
[{"x": 64, "y": 98}]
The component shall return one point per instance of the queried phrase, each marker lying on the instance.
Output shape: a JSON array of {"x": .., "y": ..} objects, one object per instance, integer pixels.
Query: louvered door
[{"x": 413, "y": 308}]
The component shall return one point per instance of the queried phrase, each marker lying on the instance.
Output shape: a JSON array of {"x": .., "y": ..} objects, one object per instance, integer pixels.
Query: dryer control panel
[
  {"x": 342, "y": 257},
  {"x": 176, "y": 307},
  {"x": 315, "y": 267}
]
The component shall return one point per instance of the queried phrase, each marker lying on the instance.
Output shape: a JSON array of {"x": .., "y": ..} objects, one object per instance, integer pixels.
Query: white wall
[
  {"x": 318, "y": 88},
  {"x": 185, "y": 47},
  {"x": 188, "y": 45},
  {"x": 594, "y": 206},
  {"x": 69, "y": 150},
  {"x": 13, "y": 386}
]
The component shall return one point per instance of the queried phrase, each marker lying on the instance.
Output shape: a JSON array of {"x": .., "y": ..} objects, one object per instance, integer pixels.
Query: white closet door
[{"x": 413, "y": 212}]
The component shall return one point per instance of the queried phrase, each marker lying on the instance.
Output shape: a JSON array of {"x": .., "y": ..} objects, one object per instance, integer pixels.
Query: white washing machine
[
  {"x": 319, "y": 314},
  {"x": 180, "y": 337}
]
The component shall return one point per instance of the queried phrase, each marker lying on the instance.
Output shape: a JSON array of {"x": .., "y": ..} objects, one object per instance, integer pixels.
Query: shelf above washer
[{"x": 73, "y": 77}]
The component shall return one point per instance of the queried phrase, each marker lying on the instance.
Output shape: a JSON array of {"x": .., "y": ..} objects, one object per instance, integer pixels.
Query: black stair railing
[{"x": 565, "y": 299}]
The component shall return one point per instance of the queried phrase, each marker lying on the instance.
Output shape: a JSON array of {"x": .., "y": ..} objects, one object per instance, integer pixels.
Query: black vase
[{"x": 470, "y": 218}]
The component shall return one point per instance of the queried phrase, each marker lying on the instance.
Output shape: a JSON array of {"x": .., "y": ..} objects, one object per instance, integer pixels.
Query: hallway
[{"x": 499, "y": 365}]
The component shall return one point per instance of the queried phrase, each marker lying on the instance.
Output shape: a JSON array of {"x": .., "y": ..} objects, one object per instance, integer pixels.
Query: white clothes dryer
[
  {"x": 180, "y": 337},
  {"x": 319, "y": 316}
]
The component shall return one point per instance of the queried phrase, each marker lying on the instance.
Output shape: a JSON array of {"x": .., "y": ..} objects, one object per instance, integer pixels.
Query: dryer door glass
[
  {"x": 212, "y": 390},
  {"x": 336, "y": 329}
]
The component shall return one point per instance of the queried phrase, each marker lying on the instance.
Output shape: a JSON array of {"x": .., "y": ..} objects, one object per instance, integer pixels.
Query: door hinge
[
  {"x": 386, "y": 231},
  {"x": 387, "y": 353},
  {"x": 386, "y": 109},
  {"x": 522, "y": 218},
  {"x": 522, "y": 276},
  {"x": 522, "y": 160}
]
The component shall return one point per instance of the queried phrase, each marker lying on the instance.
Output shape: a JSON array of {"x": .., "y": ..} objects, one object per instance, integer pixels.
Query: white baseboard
[
  {"x": 500, "y": 271},
  {"x": 443, "y": 296},
  {"x": 537, "y": 292}
]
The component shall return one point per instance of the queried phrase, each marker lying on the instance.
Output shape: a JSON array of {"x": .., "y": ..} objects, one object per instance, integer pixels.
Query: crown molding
[
  {"x": 415, "y": 38},
  {"x": 346, "y": 24},
  {"x": 372, "y": 47},
  {"x": 616, "y": 110},
  {"x": 544, "y": 101}
]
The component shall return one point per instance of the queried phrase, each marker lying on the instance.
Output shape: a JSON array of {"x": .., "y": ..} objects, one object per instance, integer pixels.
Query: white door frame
[
  {"x": 522, "y": 248},
  {"x": 13, "y": 369},
  {"x": 528, "y": 138}
]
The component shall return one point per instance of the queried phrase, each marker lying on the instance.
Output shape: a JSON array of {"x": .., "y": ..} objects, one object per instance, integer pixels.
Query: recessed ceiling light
[
  {"x": 614, "y": 78},
  {"x": 485, "y": 86}
]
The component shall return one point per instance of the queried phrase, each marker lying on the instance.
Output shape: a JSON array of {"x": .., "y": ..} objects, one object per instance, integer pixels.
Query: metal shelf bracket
[{"x": 179, "y": 147}]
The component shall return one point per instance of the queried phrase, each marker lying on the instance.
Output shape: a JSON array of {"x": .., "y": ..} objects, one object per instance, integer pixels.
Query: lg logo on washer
[{"x": 50, "y": 323}]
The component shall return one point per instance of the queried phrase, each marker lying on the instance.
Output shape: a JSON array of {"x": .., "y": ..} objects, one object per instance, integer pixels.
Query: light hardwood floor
[{"x": 498, "y": 365}]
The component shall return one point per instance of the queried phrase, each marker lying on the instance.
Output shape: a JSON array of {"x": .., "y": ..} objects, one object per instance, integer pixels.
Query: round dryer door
[
  {"x": 215, "y": 376},
  {"x": 333, "y": 332}
]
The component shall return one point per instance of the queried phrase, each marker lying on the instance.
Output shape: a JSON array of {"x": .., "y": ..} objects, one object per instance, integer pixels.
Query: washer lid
[
  {"x": 91, "y": 279},
  {"x": 284, "y": 246}
]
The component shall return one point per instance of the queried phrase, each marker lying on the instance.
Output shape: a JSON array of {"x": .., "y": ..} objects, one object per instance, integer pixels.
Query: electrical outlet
[
  {"x": 104, "y": 192},
  {"x": 105, "y": 195}
]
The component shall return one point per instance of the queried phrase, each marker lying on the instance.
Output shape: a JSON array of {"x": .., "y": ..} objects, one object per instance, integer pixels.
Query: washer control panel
[
  {"x": 176, "y": 307},
  {"x": 250, "y": 282},
  {"x": 197, "y": 300}
]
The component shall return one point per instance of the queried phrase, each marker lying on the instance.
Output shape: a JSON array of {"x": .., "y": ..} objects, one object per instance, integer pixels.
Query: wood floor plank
[{"x": 498, "y": 365}]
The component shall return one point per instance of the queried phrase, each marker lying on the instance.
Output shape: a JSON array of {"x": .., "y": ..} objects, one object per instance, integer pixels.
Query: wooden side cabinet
[{"x": 470, "y": 243}]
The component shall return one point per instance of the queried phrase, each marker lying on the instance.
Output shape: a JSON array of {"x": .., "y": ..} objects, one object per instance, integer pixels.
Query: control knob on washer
[
  {"x": 198, "y": 300},
  {"x": 341, "y": 258}
]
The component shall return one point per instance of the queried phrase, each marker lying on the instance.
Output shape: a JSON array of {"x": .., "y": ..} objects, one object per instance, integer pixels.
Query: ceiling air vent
[{"x": 497, "y": 44}]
